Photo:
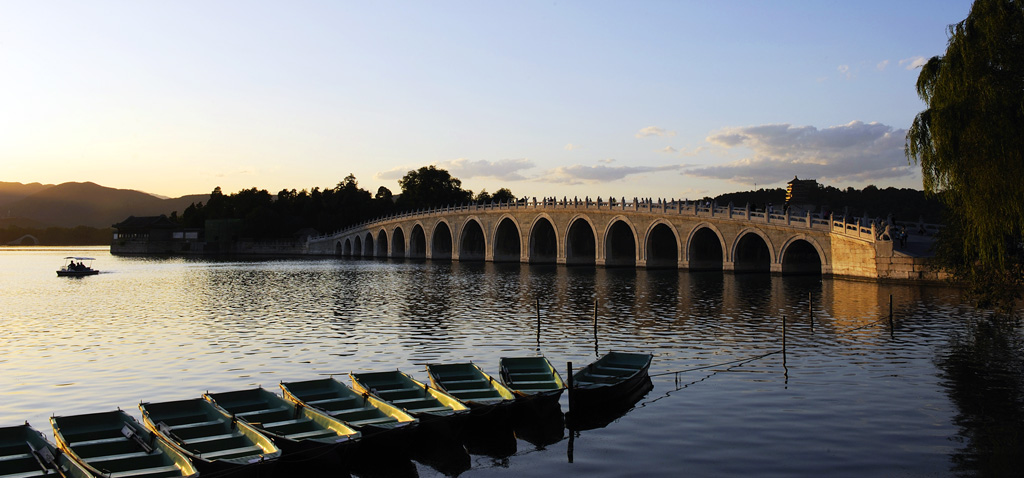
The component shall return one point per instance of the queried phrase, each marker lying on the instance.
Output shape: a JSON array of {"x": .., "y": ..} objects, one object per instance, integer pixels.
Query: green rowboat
[
  {"x": 115, "y": 444},
  {"x": 207, "y": 435},
  {"x": 293, "y": 427},
  {"x": 25, "y": 453},
  {"x": 407, "y": 393},
  {"x": 469, "y": 384},
  {"x": 531, "y": 377},
  {"x": 362, "y": 411},
  {"x": 615, "y": 378}
]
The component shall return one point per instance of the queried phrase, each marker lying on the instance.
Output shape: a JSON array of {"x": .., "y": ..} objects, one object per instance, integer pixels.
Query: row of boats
[{"x": 220, "y": 433}]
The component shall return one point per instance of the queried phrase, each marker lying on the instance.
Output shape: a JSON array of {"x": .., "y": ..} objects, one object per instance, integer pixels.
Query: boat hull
[
  {"x": 295, "y": 429},
  {"x": 472, "y": 386},
  {"x": 25, "y": 452},
  {"x": 77, "y": 273},
  {"x": 364, "y": 412},
  {"x": 114, "y": 443},
  {"x": 425, "y": 403},
  {"x": 531, "y": 378},
  {"x": 209, "y": 437},
  {"x": 613, "y": 380}
]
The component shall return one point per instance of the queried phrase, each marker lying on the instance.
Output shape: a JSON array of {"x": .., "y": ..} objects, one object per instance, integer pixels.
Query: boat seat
[
  {"x": 122, "y": 456},
  {"x": 242, "y": 451},
  {"x": 373, "y": 421},
  {"x": 210, "y": 438},
  {"x": 312, "y": 434},
  {"x": 616, "y": 367},
  {"x": 432, "y": 410},
  {"x": 98, "y": 441},
  {"x": 159, "y": 470},
  {"x": 194, "y": 424},
  {"x": 397, "y": 390},
  {"x": 409, "y": 400},
  {"x": 30, "y": 474},
  {"x": 261, "y": 411},
  {"x": 286, "y": 422},
  {"x": 534, "y": 382},
  {"x": 15, "y": 457},
  {"x": 328, "y": 401},
  {"x": 472, "y": 391}
]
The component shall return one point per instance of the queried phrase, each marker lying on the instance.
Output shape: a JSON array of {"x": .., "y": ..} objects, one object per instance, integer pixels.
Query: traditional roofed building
[
  {"x": 799, "y": 193},
  {"x": 152, "y": 235}
]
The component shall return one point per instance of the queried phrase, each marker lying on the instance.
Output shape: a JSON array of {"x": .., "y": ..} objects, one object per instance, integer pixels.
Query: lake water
[{"x": 835, "y": 391}]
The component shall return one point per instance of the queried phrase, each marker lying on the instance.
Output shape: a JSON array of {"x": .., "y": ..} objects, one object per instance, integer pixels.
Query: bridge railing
[{"x": 860, "y": 228}]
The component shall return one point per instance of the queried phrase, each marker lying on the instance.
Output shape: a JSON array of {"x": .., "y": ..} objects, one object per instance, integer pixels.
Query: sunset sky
[{"x": 554, "y": 98}]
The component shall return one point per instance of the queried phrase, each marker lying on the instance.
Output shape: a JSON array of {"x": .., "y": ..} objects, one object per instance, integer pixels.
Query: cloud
[
  {"x": 855, "y": 151},
  {"x": 570, "y": 147},
  {"x": 462, "y": 168},
  {"x": 845, "y": 71},
  {"x": 654, "y": 131},
  {"x": 881, "y": 65},
  {"x": 606, "y": 161},
  {"x": 394, "y": 173},
  {"x": 506, "y": 169},
  {"x": 668, "y": 149},
  {"x": 580, "y": 174},
  {"x": 913, "y": 62}
]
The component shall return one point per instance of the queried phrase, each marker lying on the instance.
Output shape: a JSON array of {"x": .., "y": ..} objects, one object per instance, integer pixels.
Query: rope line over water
[{"x": 737, "y": 361}]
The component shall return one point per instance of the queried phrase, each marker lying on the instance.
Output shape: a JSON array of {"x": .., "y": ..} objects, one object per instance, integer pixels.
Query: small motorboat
[
  {"x": 613, "y": 379},
  {"x": 362, "y": 411},
  {"x": 405, "y": 392},
  {"x": 466, "y": 382},
  {"x": 293, "y": 428},
  {"x": 114, "y": 444},
  {"x": 25, "y": 453},
  {"x": 531, "y": 377},
  {"x": 211, "y": 438},
  {"x": 77, "y": 269}
]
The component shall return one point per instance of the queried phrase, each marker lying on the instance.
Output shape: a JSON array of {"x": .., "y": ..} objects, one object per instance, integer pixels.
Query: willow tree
[{"x": 970, "y": 145}]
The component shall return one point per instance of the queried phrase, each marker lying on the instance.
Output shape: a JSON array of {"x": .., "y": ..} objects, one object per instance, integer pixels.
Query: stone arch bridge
[{"x": 651, "y": 234}]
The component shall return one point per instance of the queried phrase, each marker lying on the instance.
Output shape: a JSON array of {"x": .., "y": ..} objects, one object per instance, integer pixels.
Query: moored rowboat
[
  {"x": 114, "y": 444},
  {"x": 25, "y": 453},
  {"x": 469, "y": 384},
  {"x": 294, "y": 428},
  {"x": 531, "y": 377},
  {"x": 207, "y": 435},
  {"x": 614, "y": 378},
  {"x": 405, "y": 392},
  {"x": 362, "y": 411}
]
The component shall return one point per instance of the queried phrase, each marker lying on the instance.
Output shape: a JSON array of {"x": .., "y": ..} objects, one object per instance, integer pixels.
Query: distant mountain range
[{"x": 37, "y": 205}]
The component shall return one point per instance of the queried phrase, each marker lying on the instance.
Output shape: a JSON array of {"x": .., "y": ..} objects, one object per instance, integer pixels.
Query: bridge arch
[
  {"x": 580, "y": 241},
  {"x": 801, "y": 254},
  {"x": 347, "y": 248},
  {"x": 357, "y": 247},
  {"x": 620, "y": 243},
  {"x": 368, "y": 245},
  {"x": 382, "y": 243},
  {"x": 705, "y": 248},
  {"x": 543, "y": 242},
  {"x": 661, "y": 246},
  {"x": 472, "y": 242},
  {"x": 398, "y": 243},
  {"x": 339, "y": 250},
  {"x": 753, "y": 251},
  {"x": 507, "y": 242},
  {"x": 417, "y": 242},
  {"x": 441, "y": 243}
]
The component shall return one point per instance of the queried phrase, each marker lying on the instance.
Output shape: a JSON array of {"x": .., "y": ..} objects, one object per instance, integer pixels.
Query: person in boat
[{"x": 71, "y": 266}]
